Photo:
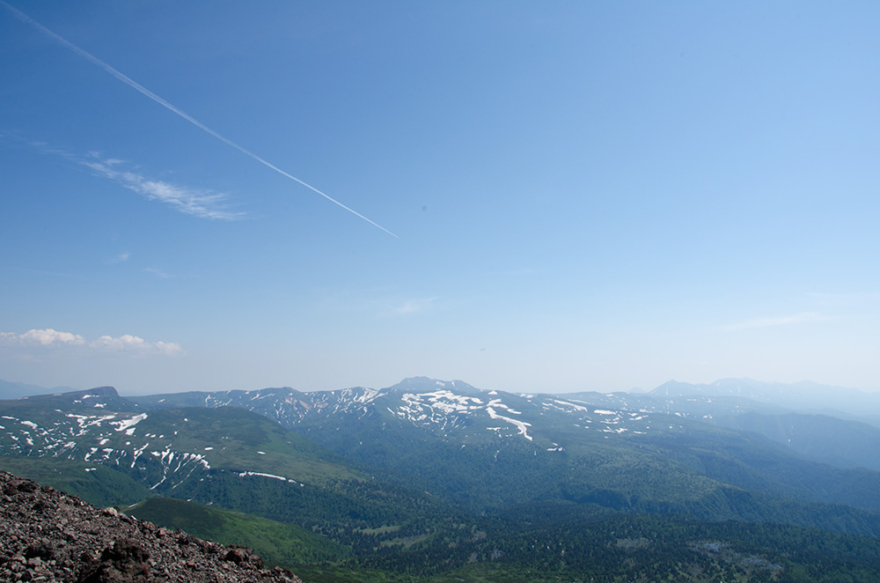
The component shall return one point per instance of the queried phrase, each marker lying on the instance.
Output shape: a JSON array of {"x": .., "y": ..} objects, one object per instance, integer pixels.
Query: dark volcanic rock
[{"x": 46, "y": 535}]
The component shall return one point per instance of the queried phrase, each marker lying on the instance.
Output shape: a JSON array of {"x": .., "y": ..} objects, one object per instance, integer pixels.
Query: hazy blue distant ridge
[{"x": 805, "y": 396}]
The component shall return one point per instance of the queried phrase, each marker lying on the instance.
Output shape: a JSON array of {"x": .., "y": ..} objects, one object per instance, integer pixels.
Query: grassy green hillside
[
  {"x": 282, "y": 544},
  {"x": 94, "y": 483},
  {"x": 238, "y": 440}
]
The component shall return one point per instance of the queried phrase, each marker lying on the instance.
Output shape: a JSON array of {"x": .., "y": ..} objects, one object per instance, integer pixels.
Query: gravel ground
[{"x": 47, "y": 535}]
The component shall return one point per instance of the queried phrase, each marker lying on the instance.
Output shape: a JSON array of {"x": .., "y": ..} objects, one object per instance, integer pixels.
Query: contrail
[{"x": 143, "y": 90}]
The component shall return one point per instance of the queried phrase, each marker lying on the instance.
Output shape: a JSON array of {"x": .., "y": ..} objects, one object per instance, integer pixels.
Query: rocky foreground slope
[{"x": 46, "y": 535}]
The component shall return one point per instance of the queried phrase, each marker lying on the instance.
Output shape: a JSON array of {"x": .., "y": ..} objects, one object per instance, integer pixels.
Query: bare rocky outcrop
[{"x": 47, "y": 535}]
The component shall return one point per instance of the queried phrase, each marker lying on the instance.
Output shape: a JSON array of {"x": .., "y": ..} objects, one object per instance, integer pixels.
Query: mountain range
[{"x": 389, "y": 477}]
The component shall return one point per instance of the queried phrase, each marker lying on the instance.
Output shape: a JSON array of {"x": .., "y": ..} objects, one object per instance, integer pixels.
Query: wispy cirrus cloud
[
  {"x": 53, "y": 338},
  {"x": 121, "y": 258},
  {"x": 157, "y": 272},
  {"x": 197, "y": 202},
  {"x": 411, "y": 307},
  {"x": 177, "y": 111},
  {"x": 799, "y": 318}
]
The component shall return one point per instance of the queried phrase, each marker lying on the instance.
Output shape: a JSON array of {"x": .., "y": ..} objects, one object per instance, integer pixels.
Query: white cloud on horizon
[
  {"x": 125, "y": 343},
  {"x": 130, "y": 343},
  {"x": 45, "y": 337},
  {"x": 779, "y": 321}
]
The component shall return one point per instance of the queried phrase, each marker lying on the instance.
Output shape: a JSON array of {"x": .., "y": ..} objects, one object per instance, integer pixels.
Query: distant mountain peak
[
  {"x": 96, "y": 392},
  {"x": 425, "y": 385}
]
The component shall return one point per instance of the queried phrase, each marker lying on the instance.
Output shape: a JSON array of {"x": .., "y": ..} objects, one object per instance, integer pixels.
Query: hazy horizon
[
  {"x": 32, "y": 390},
  {"x": 573, "y": 196}
]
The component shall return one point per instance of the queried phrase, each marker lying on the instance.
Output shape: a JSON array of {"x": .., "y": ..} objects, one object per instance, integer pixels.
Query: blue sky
[{"x": 585, "y": 195}]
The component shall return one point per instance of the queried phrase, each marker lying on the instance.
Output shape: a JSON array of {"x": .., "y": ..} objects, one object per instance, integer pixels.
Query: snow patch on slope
[
  {"x": 127, "y": 425},
  {"x": 520, "y": 425}
]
